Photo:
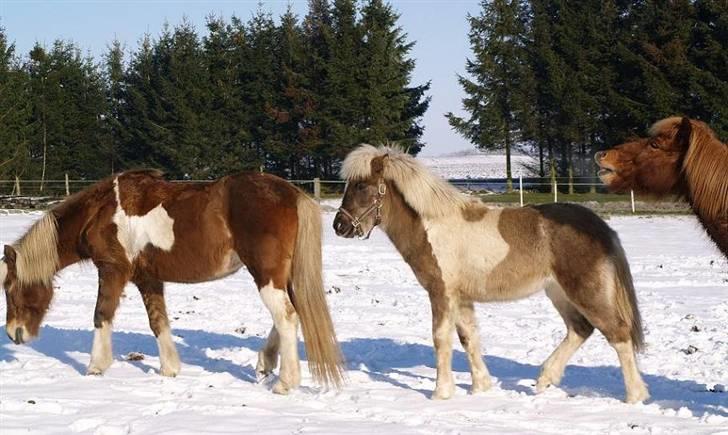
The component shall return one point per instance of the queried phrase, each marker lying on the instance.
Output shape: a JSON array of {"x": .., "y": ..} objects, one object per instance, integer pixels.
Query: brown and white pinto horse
[
  {"x": 462, "y": 252},
  {"x": 138, "y": 227},
  {"x": 680, "y": 156}
]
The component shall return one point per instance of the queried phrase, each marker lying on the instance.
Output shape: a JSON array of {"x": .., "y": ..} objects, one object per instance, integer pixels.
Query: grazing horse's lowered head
[{"x": 26, "y": 275}]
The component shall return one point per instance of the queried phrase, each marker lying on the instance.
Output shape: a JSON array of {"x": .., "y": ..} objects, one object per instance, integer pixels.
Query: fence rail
[{"x": 58, "y": 188}]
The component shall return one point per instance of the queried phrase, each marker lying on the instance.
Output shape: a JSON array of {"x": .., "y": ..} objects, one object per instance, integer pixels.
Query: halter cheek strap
[{"x": 375, "y": 207}]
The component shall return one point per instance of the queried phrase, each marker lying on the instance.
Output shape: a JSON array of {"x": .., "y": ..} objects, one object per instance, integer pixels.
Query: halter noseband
[{"x": 376, "y": 207}]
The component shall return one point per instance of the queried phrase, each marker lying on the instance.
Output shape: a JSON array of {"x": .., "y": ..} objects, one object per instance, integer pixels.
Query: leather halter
[{"x": 376, "y": 207}]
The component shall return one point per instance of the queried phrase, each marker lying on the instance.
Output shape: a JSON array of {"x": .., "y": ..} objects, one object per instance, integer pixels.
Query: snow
[
  {"x": 478, "y": 165},
  {"x": 383, "y": 322}
]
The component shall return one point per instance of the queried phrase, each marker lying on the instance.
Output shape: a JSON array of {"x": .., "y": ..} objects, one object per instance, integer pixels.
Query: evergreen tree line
[
  {"x": 289, "y": 96},
  {"x": 562, "y": 79}
]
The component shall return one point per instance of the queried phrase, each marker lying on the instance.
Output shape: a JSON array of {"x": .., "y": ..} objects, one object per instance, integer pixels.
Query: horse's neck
[
  {"x": 69, "y": 226},
  {"x": 404, "y": 226},
  {"x": 716, "y": 227}
]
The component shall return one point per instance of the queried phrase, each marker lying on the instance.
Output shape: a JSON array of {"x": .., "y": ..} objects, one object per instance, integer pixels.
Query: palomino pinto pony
[
  {"x": 138, "y": 227},
  {"x": 681, "y": 156},
  {"x": 462, "y": 252}
]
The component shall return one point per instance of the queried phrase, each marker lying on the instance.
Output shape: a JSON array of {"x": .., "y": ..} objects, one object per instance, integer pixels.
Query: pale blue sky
[{"x": 438, "y": 26}]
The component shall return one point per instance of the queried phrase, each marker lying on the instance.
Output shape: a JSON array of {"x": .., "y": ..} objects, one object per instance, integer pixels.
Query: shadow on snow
[{"x": 384, "y": 360}]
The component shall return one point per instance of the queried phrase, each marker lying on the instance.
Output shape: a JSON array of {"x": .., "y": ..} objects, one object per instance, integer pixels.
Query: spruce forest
[{"x": 292, "y": 95}]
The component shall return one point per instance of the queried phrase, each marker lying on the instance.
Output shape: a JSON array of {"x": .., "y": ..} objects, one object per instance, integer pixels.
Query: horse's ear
[
  {"x": 683, "y": 132},
  {"x": 10, "y": 255},
  {"x": 378, "y": 164}
]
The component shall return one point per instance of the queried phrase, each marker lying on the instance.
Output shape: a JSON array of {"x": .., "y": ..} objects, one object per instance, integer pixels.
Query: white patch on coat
[
  {"x": 467, "y": 251},
  {"x": 136, "y": 232}
]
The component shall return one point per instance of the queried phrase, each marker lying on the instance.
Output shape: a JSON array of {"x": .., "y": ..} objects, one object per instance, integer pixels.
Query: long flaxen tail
[
  {"x": 626, "y": 300},
  {"x": 324, "y": 357}
]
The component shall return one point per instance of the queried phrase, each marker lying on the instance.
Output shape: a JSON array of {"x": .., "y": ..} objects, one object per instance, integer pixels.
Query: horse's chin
[{"x": 18, "y": 334}]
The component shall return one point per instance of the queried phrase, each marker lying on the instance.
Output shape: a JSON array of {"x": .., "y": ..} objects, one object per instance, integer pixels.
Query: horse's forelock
[
  {"x": 37, "y": 252},
  {"x": 667, "y": 126}
]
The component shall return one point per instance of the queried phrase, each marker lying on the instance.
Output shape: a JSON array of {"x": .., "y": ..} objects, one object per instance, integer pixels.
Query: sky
[{"x": 439, "y": 28}]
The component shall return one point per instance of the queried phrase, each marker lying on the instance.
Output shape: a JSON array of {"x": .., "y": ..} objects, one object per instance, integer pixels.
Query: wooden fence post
[
  {"x": 68, "y": 190},
  {"x": 556, "y": 192},
  {"x": 631, "y": 195},
  {"x": 520, "y": 188},
  {"x": 317, "y": 188},
  {"x": 17, "y": 186}
]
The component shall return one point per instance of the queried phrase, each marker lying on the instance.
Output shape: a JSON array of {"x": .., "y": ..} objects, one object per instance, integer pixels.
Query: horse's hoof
[
  {"x": 480, "y": 387},
  {"x": 169, "y": 372},
  {"x": 94, "y": 371},
  {"x": 281, "y": 388},
  {"x": 638, "y": 396},
  {"x": 442, "y": 394}
]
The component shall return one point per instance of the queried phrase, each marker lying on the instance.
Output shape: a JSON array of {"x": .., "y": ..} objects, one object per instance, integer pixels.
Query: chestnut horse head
[
  {"x": 26, "y": 275},
  {"x": 649, "y": 165}
]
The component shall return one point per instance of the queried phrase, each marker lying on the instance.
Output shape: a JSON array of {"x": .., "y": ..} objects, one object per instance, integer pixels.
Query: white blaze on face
[{"x": 135, "y": 232}]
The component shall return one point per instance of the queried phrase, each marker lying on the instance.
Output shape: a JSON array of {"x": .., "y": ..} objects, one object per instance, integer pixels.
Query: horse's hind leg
[
  {"x": 152, "y": 292},
  {"x": 597, "y": 303},
  {"x": 112, "y": 279},
  {"x": 268, "y": 356},
  {"x": 578, "y": 329},
  {"x": 467, "y": 329},
  {"x": 285, "y": 320}
]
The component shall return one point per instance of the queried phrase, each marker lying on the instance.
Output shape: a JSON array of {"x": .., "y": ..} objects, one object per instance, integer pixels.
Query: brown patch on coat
[{"x": 474, "y": 212}]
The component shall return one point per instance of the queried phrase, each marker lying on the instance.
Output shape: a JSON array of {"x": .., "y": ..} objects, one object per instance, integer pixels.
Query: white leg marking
[
  {"x": 136, "y": 232},
  {"x": 285, "y": 320},
  {"x": 268, "y": 356},
  {"x": 633, "y": 383},
  {"x": 445, "y": 384},
  {"x": 553, "y": 368},
  {"x": 101, "y": 356},
  {"x": 168, "y": 357}
]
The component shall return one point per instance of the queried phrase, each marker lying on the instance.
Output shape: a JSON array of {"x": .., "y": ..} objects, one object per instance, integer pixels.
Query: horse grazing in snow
[
  {"x": 138, "y": 227},
  {"x": 680, "y": 156},
  {"x": 462, "y": 252}
]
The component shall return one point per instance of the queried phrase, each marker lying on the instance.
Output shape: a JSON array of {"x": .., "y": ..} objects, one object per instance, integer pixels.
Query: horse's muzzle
[
  {"x": 18, "y": 337},
  {"x": 343, "y": 226}
]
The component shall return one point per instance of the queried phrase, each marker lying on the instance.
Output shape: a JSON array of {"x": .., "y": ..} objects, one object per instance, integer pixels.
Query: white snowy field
[
  {"x": 383, "y": 323},
  {"x": 475, "y": 164}
]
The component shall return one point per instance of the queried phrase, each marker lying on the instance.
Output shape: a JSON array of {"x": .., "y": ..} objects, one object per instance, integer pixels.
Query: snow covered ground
[
  {"x": 475, "y": 164},
  {"x": 383, "y": 322}
]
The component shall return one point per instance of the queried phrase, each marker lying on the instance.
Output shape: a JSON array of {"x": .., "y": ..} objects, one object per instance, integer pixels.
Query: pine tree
[
  {"x": 497, "y": 94},
  {"x": 14, "y": 112}
]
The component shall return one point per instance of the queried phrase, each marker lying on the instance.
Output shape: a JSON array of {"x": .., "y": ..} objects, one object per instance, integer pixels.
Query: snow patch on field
[{"x": 383, "y": 322}]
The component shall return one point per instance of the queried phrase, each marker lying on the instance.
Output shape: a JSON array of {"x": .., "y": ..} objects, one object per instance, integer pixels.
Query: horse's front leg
[
  {"x": 467, "y": 328},
  {"x": 112, "y": 279},
  {"x": 152, "y": 292},
  {"x": 443, "y": 324}
]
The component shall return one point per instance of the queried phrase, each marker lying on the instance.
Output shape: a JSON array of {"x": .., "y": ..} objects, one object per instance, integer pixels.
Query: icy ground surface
[{"x": 383, "y": 322}]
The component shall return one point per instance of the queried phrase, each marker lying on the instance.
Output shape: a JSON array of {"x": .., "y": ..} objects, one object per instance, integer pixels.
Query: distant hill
[{"x": 476, "y": 164}]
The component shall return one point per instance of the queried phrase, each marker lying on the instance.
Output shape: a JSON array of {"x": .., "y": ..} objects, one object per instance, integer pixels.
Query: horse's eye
[
  {"x": 361, "y": 186},
  {"x": 654, "y": 145}
]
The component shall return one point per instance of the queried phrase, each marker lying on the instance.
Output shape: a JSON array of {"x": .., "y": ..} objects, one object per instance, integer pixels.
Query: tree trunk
[{"x": 509, "y": 176}]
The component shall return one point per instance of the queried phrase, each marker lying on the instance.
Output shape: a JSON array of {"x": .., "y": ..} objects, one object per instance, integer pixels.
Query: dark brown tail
[
  {"x": 625, "y": 297},
  {"x": 324, "y": 357}
]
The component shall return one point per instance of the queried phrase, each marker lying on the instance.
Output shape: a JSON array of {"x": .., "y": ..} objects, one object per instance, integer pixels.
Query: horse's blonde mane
[
  {"x": 37, "y": 256},
  {"x": 429, "y": 195},
  {"x": 705, "y": 166}
]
